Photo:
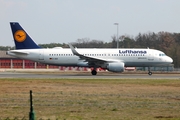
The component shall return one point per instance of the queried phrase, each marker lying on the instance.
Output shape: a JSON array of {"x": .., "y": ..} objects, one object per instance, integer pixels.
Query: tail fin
[{"x": 21, "y": 38}]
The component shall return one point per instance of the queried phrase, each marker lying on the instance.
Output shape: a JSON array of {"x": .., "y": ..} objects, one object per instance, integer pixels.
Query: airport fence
[
  {"x": 51, "y": 103},
  {"x": 22, "y": 108}
]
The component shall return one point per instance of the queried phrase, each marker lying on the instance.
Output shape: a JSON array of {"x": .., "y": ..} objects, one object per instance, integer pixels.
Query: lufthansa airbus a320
[{"x": 114, "y": 60}]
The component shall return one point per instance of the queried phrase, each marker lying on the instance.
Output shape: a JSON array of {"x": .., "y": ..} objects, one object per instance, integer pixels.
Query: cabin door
[{"x": 150, "y": 56}]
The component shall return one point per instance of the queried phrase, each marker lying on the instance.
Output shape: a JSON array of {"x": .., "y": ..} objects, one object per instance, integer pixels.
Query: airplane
[{"x": 113, "y": 60}]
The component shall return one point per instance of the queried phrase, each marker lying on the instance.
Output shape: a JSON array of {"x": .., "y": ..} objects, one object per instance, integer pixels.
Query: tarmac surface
[{"x": 83, "y": 75}]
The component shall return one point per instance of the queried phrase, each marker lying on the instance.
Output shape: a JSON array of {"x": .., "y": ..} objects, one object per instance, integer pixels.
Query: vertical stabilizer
[{"x": 21, "y": 39}]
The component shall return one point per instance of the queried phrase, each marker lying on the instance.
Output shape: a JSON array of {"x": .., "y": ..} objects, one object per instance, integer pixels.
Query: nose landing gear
[{"x": 150, "y": 73}]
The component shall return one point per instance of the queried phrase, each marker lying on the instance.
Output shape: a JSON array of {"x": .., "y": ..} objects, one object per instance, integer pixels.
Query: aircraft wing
[{"x": 91, "y": 59}]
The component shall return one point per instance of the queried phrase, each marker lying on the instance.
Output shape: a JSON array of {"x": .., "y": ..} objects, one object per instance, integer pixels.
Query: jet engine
[
  {"x": 83, "y": 64},
  {"x": 115, "y": 67}
]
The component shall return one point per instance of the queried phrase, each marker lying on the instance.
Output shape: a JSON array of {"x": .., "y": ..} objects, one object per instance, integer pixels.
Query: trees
[{"x": 87, "y": 43}]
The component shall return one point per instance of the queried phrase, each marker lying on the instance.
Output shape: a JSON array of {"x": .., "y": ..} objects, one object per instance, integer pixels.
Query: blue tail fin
[{"x": 21, "y": 38}]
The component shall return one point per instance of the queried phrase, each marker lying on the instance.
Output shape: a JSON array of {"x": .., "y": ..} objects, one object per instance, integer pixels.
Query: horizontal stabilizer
[{"x": 17, "y": 52}]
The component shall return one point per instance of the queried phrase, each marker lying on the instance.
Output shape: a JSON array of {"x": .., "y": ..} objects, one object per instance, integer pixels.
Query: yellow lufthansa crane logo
[{"x": 20, "y": 36}]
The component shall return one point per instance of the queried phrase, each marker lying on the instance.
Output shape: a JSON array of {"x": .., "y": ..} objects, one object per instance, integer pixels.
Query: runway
[{"x": 86, "y": 75}]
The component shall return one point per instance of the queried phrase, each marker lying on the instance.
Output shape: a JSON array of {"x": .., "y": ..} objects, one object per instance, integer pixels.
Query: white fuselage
[{"x": 64, "y": 57}]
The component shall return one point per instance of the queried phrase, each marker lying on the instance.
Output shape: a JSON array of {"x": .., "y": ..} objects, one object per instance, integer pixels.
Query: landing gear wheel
[
  {"x": 150, "y": 73},
  {"x": 93, "y": 72}
]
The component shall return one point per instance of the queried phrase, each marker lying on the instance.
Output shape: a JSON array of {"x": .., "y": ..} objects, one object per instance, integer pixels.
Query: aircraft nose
[{"x": 170, "y": 59}]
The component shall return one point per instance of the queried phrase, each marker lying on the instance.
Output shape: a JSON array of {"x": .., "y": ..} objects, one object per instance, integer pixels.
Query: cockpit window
[{"x": 162, "y": 54}]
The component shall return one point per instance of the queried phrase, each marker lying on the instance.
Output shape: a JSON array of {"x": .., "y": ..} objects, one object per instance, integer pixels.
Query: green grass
[{"x": 92, "y": 99}]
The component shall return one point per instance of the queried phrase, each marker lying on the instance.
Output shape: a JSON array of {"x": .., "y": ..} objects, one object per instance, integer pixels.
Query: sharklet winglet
[{"x": 74, "y": 51}]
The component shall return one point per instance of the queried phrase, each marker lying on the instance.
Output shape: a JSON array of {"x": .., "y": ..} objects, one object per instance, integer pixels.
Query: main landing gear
[
  {"x": 94, "y": 72},
  {"x": 150, "y": 73}
]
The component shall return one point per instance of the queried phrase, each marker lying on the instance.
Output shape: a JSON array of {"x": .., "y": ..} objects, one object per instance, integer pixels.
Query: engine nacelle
[
  {"x": 115, "y": 67},
  {"x": 83, "y": 64}
]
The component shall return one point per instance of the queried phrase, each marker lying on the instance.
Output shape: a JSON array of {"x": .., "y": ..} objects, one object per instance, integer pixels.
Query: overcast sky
[{"x": 65, "y": 21}]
